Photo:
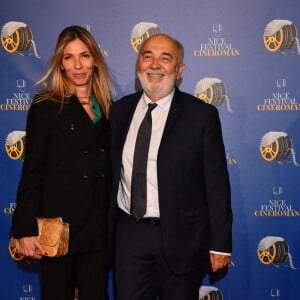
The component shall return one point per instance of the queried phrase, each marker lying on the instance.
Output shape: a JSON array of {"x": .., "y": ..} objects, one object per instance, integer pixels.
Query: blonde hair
[{"x": 55, "y": 85}]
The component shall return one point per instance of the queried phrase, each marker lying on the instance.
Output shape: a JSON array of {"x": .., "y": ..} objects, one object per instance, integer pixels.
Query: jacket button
[
  {"x": 85, "y": 177},
  {"x": 101, "y": 149},
  {"x": 84, "y": 150},
  {"x": 101, "y": 175},
  {"x": 72, "y": 127}
]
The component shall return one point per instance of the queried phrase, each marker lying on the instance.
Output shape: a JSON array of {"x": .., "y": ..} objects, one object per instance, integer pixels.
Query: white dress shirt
[{"x": 159, "y": 117}]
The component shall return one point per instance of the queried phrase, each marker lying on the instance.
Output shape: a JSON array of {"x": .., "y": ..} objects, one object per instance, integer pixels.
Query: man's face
[{"x": 158, "y": 66}]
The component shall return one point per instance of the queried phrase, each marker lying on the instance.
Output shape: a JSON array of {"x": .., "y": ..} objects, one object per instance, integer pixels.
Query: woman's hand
[{"x": 31, "y": 248}]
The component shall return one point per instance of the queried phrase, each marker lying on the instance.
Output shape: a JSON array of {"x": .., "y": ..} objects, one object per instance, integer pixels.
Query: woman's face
[{"x": 78, "y": 63}]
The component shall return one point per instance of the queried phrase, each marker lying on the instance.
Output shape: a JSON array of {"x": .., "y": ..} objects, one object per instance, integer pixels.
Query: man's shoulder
[
  {"x": 193, "y": 102},
  {"x": 129, "y": 97},
  {"x": 124, "y": 104}
]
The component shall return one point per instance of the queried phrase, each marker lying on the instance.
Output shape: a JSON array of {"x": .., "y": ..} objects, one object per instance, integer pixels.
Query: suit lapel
[
  {"x": 125, "y": 118},
  {"x": 174, "y": 113},
  {"x": 128, "y": 115}
]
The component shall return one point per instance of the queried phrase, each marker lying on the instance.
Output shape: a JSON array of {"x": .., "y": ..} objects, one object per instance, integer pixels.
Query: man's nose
[{"x": 155, "y": 63}]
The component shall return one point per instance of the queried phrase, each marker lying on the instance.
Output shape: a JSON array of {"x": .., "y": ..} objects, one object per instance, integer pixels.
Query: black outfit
[
  {"x": 194, "y": 202},
  {"x": 66, "y": 173}
]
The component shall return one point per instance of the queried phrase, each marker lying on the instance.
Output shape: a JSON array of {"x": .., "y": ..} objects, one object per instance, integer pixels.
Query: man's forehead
[
  {"x": 153, "y": 51},
  {"x": 159, "y": 44}
]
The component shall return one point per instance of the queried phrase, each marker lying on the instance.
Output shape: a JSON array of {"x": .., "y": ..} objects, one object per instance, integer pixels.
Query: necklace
[{"x": 85, "y": 102}]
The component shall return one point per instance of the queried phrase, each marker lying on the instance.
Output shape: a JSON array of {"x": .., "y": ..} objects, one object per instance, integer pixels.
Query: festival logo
[
  {"x": 212, "y": 91},
  {"x": 15, "y": 145},
  {"x": 141, "y": 32},
  {"x": 275, "y": 293},
  {"x": 209, "y": 292},
  {"x": 277, "y": 206},
  {"x": 27, "y": 292},
  {"x": 274, "y": 250},
  {"x": 216, "y": 45},
  {"x": 19, "y": 100},
  {"x": 16, "y": 37},
  {"x": 21, "y": 85},
  {"x": 281, "y": 36},
  {"x": 281, "y": 99},
  {"x": 277, "y": 146}
]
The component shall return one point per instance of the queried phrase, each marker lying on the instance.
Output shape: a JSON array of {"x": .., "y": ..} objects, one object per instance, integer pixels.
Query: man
[{"x": 186, "y": 225}]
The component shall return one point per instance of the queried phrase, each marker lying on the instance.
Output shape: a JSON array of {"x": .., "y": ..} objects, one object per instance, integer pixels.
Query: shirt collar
[{"x": 164, "y": 102}]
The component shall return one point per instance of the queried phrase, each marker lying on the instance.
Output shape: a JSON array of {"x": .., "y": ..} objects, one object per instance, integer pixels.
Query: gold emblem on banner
[
  {"x": 277, "y": 146},
  {"x": 15, "y": 145},
  {"x": 17, "y": 41},
  {"x": 212, "y": 91},
  {"x": 274, "y": 250},
  {"x": 280, "y": 35},
  {"x": 17, "y": 37},
  {"x": 15, "y": 251},
  {"x": 209, "y": 293},
  {"x": 141, "y": 32}
]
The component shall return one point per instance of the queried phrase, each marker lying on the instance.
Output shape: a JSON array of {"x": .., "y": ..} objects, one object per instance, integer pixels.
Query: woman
[{"x": 66, "y": 170}]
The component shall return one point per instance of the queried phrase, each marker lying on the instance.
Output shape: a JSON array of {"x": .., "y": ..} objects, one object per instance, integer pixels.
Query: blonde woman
[{"x": 66, "y": 170}]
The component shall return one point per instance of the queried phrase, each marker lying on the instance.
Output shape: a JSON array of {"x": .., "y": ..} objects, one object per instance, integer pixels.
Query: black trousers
[
  {"x": 87, "y": 272},
  {"x": 141, "y": 271}
]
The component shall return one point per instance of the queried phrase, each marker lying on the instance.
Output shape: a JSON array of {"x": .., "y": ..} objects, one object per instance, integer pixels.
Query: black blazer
[
  {"x": 66, "y": 173},
  {"x": 193, "y": 182}
]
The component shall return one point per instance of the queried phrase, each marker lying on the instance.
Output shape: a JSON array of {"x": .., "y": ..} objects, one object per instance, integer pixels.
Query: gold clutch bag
[{"x": 53, "y": 237}]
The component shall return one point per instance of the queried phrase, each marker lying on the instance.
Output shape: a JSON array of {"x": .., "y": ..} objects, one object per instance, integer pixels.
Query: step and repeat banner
[{"x": 242, "y": 57}]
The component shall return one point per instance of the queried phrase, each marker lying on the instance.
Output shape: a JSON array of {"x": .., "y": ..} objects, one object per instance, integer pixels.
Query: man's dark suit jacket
[
  {"x": 193, "y": 182},
  {"x": 65, "y": 174}
]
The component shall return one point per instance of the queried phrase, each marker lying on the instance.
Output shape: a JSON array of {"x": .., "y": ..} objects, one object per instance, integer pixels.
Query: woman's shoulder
[
  {"x": 41, "y": 103},
  {"x": 44, "y": 109}
]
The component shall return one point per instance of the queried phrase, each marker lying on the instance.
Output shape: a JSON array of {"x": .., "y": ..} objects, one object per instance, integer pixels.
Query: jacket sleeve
[
  {"x": 29, "y": 193},
  {"x": 217, "y": 186}
]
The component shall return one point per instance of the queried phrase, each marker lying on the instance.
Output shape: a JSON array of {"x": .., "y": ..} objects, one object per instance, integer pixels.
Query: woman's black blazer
[{"x": 66, "y": 173}]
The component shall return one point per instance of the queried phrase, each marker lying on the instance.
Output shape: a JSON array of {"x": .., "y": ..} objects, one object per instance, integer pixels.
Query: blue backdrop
[{"x": 241, "y": 56}]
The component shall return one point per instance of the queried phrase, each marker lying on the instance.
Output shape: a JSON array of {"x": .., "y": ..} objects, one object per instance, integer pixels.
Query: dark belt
[{"x": 152, "y": 221}]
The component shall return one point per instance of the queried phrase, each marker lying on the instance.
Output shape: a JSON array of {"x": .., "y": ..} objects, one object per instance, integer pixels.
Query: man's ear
[{"x": 180, "y": 70}]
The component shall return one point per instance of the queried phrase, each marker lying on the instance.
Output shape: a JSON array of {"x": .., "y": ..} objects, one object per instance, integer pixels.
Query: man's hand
[
  {"x": 31, "y": 248},
  {"x": 219, "y": 261}
]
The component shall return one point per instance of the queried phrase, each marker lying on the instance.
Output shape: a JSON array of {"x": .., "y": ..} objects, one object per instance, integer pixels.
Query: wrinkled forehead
[{"x": 159, "y": 44}]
